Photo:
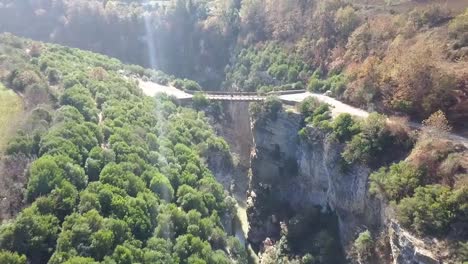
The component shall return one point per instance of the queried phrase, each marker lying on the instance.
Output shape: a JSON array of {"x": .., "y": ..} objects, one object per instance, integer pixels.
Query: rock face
[
  {"x": 300, "y": 172},
  {"x": 406, "y": 249},
  {"x": 234, "y": 127},
  {"x": 307, "y": 172}
]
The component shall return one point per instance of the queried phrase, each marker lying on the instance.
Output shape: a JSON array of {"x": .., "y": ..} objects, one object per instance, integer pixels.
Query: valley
[{"x": 233, "y": 132}]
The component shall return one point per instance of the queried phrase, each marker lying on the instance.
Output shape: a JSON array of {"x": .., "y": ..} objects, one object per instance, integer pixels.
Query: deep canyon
[{"x": 276, "y": 174}]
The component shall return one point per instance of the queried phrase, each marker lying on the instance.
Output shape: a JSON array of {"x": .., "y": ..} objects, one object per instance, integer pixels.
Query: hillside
[
  {"x": 96, "y": 166},
  {"x": 397, "y": 57},
  {"x": 112, "y": 175}
]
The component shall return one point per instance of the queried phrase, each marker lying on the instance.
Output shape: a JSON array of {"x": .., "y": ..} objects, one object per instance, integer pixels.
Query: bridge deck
[{"x": 247, "y": 98}]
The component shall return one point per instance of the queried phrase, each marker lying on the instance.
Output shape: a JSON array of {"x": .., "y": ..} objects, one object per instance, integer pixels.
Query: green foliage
[
  {"x": 320, "y": 117},
  {"x": 428, "y": 16},
  {"x": 186, "y": 84},
  {"x": 31, "y": 234},
  {"x": 334, "y": 83},
  {"x": 364, "y": 244},
  {"x": 11, "y": 257},
  {"x": 373, "y": 140},
  {"x": 458, "y": 29},
  {"x": 144, "y": 163},
  {"x": 308, "y": 105},
  {"x": 48, "y": 172},
  {"x": 200, "y": 101},
  {"x": 81, "y": 99},
  {"x": 395, "y": 182},
  {"x": 20, "y": 80},
  {"x": 162, "y": 187},
  {"x": 433, "y": 208},
  {"x": 267, "y": 68},
  {"x": 344, "y": 127},
  {"x": 270, "y": 108}
]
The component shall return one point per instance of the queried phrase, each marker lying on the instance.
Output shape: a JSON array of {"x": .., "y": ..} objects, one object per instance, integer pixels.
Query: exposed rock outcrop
[
  {"x": 305, "y": 172},
  {"x": 292, "y": 172},
  {"x": 407, "y": 249}
]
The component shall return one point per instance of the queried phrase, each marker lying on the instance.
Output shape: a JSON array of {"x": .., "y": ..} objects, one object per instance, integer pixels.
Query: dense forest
[
  {"x": 373, "y": 54},
  {"x": 115, "y": 177}
]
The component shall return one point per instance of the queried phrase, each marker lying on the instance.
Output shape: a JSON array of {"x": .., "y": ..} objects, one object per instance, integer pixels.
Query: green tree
[
  {"x": 11, "y": 257},
  {"x": 433, "y": 208},
  {"x": 200, "y": 101},
  {"x": 396, "y": 182},
  {"x": 162, "y": 187},
  {"x": 31, "y": 234},
  {"x": 364, "y": 244},
  {"x": 45, "y": 174},
  {"x": 344, "y": 127}
]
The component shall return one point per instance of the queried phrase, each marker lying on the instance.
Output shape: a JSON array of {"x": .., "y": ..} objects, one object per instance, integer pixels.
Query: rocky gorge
[{"x": 292, "y": 174}]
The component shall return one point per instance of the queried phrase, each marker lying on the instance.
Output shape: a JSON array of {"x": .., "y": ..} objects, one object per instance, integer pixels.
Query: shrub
[
  {"x": 186, "y": 84},
  {"x": 20, "y": 79},
  {"x": 364, "y": 244},
  {"x": 272, "y": 106},
  {"x": 280, "y": 72},
  {"x": 191, "y": 85},
  {"x": 320, "y": 114},
  {"x": 433, "y": 209},
  {"x": 437, "y": 123},
  {"x": 292, "y": 75},
  {"x": 395, "y": 182},
  {"x": 308, "y": 105},
  {"x": 459, "y": 25},
  {"x": 315, "y": 85},
  {"x": 369, "y": 145},
  {"x": 344, "y": 127},
  {"x": 199, "y": 101},
  {"x": 430, "y": 16},
  {"x": 346, "y": 20},
  {"x": 11, "y": 257}
]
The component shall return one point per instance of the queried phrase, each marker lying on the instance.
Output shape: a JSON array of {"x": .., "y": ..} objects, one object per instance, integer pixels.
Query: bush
[
  {"x": 364, "y": 244},
  {"x": 292, "y": 75},
  {"x": 369, "y": 145},
  {"x": 344, "y": 127},
  {"x": 20, "y": 79},
  {"x": 433, "y": 209},
  {"x": 308, "y": 105},
  {"x": 429, "y": 16},
  {"x": 280, "y": 72},
  {"x": 199, "y": 101},
  {"x": 346, "y": 20},
  {"x": 186, "y": 84},
  {"x": 459, "y": 25},
  {"x": 395, "y": 182},
  {"x": 315, "y": 85},
  {"x": 11, "y": 257},
  {"x": 271, "y": 107}
]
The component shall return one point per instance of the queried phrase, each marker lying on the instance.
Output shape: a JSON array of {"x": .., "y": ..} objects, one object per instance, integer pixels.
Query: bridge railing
[
  {"x": 286, "y": 92},
  {"x": 247, "y": 93},
  {"x": 222, "y": 93}
]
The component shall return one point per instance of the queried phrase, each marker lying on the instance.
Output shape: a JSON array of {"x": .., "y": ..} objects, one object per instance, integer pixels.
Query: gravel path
[
  {"x": 152, "y": 88},
  {"x": 337, "y": 106}
]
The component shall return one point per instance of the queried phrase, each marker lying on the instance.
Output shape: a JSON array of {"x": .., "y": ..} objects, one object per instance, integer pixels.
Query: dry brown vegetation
[
  {"x": 442, "y": 161},
  {"x": 13, "y": 180}
]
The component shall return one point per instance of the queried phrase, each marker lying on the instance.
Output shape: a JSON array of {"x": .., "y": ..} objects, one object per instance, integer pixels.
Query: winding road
[{"x": 338, "y": 107}]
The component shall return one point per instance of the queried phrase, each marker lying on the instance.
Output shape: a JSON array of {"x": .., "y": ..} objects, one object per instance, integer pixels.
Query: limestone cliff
[{"x": 293, "y": 173}]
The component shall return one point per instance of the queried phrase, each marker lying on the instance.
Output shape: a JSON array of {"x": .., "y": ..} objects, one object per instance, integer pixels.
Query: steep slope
[{"x": 112, "y": 175}]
